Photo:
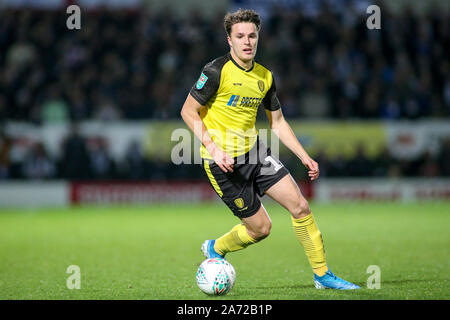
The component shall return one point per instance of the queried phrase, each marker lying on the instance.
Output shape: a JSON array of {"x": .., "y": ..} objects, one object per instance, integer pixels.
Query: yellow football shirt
[{"x": 231, "y": 96}]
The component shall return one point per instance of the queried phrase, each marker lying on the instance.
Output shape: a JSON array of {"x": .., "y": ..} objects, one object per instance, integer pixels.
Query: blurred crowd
[
  {"x": 133, "y": 65},
  {"x": 141, "y": 64},
  {"x": 381, "y": 165},
  {"x": 83, "y": 160}
]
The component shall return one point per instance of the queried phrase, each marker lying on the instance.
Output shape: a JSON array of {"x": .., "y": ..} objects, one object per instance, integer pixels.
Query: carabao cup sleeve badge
[{"x": 201, "y": 81}]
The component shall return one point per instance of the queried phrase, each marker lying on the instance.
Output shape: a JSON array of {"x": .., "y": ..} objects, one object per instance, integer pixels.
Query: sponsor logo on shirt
[{"x": 244, "y": 102}]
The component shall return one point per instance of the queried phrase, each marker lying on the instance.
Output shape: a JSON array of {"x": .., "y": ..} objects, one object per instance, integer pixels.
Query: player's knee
[
  {"x": 262, "y": 231},
  {"x": 300, "y": 209},
  {"x": 265, "y": 230}
]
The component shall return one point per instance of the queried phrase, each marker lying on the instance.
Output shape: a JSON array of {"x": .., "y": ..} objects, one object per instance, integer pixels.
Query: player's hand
[
  {"x": 221, "y": 158},
  {"x": 312, "y": 166}
]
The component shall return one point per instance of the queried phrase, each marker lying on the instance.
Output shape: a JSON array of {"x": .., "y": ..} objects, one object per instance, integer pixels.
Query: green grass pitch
[{"x": 152, "y": 252}]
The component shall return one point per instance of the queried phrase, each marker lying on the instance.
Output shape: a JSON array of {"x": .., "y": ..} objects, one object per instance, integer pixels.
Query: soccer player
[{"x": 221, "y": 110}]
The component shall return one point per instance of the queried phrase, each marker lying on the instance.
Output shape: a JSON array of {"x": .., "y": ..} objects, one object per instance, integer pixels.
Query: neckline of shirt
[{"x": 237, "y": 64}]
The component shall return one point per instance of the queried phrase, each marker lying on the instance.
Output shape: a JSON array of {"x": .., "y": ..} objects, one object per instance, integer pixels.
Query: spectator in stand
[
  {"x": 106, "y": 109},
  {"x": 384, "y": 164},
  {"x": 134, "y": 163},
  {"x": 444, "y": 157},
  {"x": 5, "y": 150},
  {"x": 54, "y": 109},
  {"x": 338, "y": 166},
  {"x": 75, "y": 163},
  {"x": 101, "y": 165},
  {"x": 429, "y": 166},
  {"x": 360, "y": 165},
  {"x": 3, "y": 111},
  {"x": 37, "y": 164},
  {"x": 22, "y": 52},
  {"x": 79, "y": 107}
]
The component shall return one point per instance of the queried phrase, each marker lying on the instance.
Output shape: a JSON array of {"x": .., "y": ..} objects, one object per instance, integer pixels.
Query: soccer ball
[{"x": 215, "y": 276}]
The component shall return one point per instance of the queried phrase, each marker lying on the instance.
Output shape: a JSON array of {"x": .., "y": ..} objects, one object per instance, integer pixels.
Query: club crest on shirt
[
  {"x": 261, "y": 85},
  {"x": 201, "y": 81},
  {"x": 239, "y": 202}
]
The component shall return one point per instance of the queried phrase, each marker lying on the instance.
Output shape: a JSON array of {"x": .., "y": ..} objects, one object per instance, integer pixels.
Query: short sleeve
[
  {"x": 207, "y": 84},
  {"x": 270, "y": 101}
]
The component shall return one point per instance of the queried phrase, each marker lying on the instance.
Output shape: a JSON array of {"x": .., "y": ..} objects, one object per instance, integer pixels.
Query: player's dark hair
[{"x": 242, "y": 15}]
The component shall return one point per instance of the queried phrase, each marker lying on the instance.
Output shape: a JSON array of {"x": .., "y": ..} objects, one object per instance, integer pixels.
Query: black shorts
[{"x": 253, "y": 173}]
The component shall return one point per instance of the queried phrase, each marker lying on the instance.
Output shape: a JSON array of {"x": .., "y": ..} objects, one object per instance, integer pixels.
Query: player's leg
[
  {"x": 258, "y": 226},
  {"x": 237, "y": 192},
  {"x": 288, "y": 194},
  {"x": 275, "y": 181},
  {"x": 252, "y": 229}
]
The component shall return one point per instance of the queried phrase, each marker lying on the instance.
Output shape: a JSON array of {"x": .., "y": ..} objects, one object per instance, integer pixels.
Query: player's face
[{"x": 243, "y": 40}]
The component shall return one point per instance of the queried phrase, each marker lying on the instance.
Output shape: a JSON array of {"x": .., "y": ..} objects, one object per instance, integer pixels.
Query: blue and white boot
[
  {"x": 208, "y": 250},
  {"x": 330, "y": 281}
]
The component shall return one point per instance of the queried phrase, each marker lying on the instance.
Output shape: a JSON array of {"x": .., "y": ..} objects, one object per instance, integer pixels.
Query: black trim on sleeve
[
  {"x": 208, "y": 83},
  {"x": 270, "y": 101}
]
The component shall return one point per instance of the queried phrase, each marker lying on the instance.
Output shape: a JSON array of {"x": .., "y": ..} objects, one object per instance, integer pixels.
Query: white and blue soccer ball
[{"x": 215, "y": 276}]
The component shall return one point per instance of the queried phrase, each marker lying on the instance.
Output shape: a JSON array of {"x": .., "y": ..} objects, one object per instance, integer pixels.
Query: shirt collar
[{"x": 237, "y": 64}]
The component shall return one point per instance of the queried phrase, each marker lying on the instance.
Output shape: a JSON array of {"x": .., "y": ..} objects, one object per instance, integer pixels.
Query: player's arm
[
  {"x": 284, "y": 131},
  {"x": 190, "y": 115}
]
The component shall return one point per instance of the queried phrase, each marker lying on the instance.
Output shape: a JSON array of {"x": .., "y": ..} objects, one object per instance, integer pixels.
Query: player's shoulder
[
  {"x": 263, "y": 70},
  {"x": 262, "y": 67},
  {"x": 217, "y": 64}
]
